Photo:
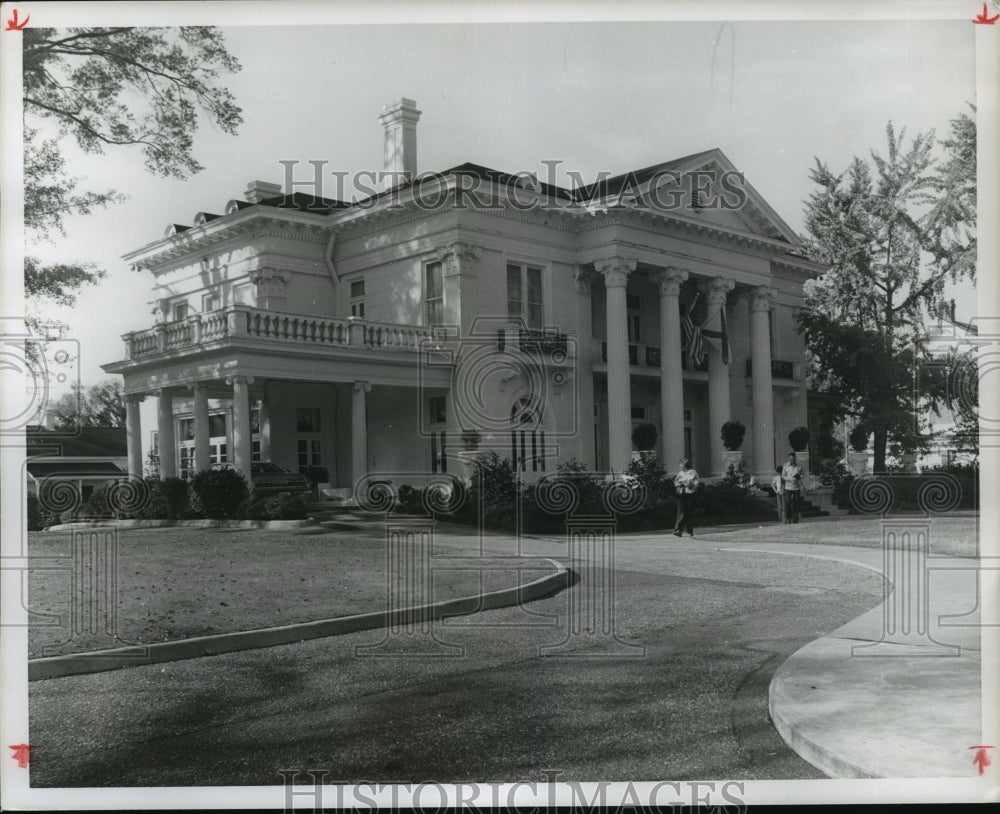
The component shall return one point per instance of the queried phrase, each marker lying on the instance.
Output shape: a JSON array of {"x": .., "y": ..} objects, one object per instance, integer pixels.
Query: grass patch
[{"x": 174, "y": 583}]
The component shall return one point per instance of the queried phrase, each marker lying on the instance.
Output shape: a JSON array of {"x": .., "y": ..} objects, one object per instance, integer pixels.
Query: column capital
[
  {"x": 459, "y": 257},
  {"x": 135, "y": 398},
  {"x": 364, "y": 387},
  {"x": 198, "y": 387},
  {"x": 159, "y": 392},
  {"x": 717, "y": 287},
  {"x": 615, "y": 269},
  {"x": 670, "y": 280},
  {"x": 239, "y": 379},
  {"x": 762, "y": 298}
]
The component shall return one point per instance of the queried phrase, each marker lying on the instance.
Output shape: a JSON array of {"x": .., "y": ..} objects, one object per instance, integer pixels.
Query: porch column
[
  {"x": 763, "y": 394},
  {"x": 359, "y": 431},
  {"x": 202, "y": 453},
  {"x": 616, "y": 271},
  {"x": 718, "y": 371},
  {"x": 241, "y": 423},
  {"x": 133, "y": 434},
  {"x": 165, "y": 428},
  {"x": 585, "y": 376},
  {"x": 671, "y": 368},
  {"x": 264, "y": 419}
]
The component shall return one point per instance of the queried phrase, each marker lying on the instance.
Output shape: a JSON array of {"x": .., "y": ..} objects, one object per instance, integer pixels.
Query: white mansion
[{"x": 368, "y": 337}]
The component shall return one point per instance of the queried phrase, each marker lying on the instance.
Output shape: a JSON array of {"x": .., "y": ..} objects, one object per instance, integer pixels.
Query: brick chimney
[{"x": 399, "y": 121}]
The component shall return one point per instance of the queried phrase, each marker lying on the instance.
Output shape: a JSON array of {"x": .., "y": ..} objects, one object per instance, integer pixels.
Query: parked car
[{"x": 268, "y": 478}]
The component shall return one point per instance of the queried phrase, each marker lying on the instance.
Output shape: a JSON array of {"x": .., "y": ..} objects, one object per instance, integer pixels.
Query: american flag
[
  {"x": 720, "y": 338},
  {"x": 692, "y": 335}
]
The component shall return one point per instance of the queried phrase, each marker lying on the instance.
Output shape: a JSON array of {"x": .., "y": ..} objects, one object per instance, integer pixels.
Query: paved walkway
[{"x": 895, "y": 692}]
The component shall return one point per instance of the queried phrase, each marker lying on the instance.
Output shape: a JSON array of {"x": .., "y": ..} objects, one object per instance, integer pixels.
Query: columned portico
[
  {"x": 616, "y": 271},
  {"x": 671, "y": 372},
  {"x": 202, "y": 453},
  {"x": 719, "y": 411},
  {"x": 133, "y": 435},
  {"x": 763, "y": 394},
  {"x": 165, "y": 428},
  {"x": 359, "y": 430},
  {"x": 242, "y": 431}
]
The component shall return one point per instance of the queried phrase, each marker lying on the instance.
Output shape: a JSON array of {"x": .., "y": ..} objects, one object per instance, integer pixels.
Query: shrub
[
  {"x": 650, "y": 473},
  {"x": 644, "y": 436},
  {"x": 799, "y": 439},
  {"x": 732, "y": 435},
  {"x": 409, "y": 500},
  {"x": 274, "y": 507},
  {"x": 720, "y": 503},
  {"x": 316, "y": 474},
  {"x": 38, "y": 518},
  {"x": 835, "y": 474},
  {"x": 738, "y": 476},
  {"x": 858, "y": 438},
  {"x": 218, "y": 493},
  {"x": 495, "y": 480}
]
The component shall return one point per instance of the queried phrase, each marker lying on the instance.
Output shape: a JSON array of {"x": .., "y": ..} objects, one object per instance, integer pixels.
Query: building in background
[{"x": 470, "y": 308}]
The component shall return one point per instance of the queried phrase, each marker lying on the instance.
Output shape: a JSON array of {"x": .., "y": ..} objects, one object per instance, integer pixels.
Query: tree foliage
[
  {"x": 101, "y": 405},
  {"x": 894, "y": 231},
  {"x": 138, "y": 87}
]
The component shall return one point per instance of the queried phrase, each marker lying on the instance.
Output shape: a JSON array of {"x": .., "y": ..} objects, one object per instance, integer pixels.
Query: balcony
[
  {"x": 543, "y": 343},
  {"x": 780, "y": 369},
  {"x": 649, "y": 356},
  {"x": 257, "y": 326}
]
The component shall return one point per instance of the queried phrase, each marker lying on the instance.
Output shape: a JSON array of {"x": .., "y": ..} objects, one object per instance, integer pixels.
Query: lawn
[
  {"x": 950, "y": 535},
  {"x": 174, "y": 583}
]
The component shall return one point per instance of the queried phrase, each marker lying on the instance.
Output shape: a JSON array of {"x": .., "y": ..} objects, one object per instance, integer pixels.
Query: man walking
[
  {"x": 791, "y": 481},
  {"x": 779, "y": 493},
  {"x": 685, "y": 485}
]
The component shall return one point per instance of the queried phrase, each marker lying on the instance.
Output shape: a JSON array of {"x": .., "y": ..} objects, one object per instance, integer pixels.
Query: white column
[
  {"x": 671, "y": 369},
  {"x": 760, "y": 367},
  {"x": 585, "y": 376},
  {"x": 202, "y": 453},
  {"x": 718, "y": 372},
  {"x": 165, "y": 428},
  {"x": 264, "y": 419},
  {"x": 359, "y": 431},
  {"x": 241, "y": 423},
  {"x": 616, "y": 271},
  {"x": 133, "y": 435}
]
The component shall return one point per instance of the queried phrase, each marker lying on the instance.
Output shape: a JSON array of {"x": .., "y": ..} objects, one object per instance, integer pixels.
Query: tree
[
  {"x": 893, "y": 234},
  {"x": 101, "y": 405},
  {"x": 143, "y": 87}
]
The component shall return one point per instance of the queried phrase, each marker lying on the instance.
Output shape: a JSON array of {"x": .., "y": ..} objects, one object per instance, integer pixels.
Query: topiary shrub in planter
[
  {"x": 218, "y": 493},
  {"x": 799, "y": 439},
  {"x": 858, "y": 438},
  {"x": 733, "y": 433},
  {"x": 644, "y": 437}
]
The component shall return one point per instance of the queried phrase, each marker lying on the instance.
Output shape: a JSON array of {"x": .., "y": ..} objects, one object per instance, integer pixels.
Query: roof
[
  {"x": 84, "y": 442},
  {"x": 40, "y": 468}
]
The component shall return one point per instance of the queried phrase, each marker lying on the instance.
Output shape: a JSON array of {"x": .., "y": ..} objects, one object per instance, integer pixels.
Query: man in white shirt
[
  {"x": 685, "y": 485},
  {"x": 791, "y": 480},
  {"x": 779, "y": 492}
]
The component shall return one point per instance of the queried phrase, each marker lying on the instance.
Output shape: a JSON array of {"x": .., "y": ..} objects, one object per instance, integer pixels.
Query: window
[
  {"x": 180, "y": 310},
  {"x": 255, "y": 451},
  {"x": 218, "y": 453},
  {"x": 217, "y": 425},
  {"x": 154, "y": 442},
  {"x": 524, "y": 295},
  {"x": 309, "y": 453},
  {"x": 186, "y": 426},
  {"x": 439, "y": 456},
  {"x": 358, "y": 299},
  {"x": 307, "y": 419},
  {"x": 187, "y": 461},
  {"x": 527, "y": 441},
  {"x": 639, "y": 413},
  {"x": 434, "y": 297},
  {"x": 437, "y": 410},
  {"x": 211, "y": 302}
]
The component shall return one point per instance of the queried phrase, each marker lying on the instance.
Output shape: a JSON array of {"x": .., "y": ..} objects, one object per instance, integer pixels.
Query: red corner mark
[
  {"x": 14, "y": 25},
  {"x": 21, "y": 755},
  {"x": 981, "y": 759},
  {"x": 983, "y": 19}
]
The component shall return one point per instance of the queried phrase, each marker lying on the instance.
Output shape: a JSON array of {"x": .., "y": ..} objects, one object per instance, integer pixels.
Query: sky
[{"x": 594, "y": 96}]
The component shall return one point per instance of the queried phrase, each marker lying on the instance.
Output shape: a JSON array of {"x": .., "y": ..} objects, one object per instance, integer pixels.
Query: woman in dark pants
[{"x": 685, "y": 485}]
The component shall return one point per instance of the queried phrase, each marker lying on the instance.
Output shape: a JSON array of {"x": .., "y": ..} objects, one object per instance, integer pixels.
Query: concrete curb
[
  {"x": 156, "y": 653},
  {"x": 270, "y": 525}
]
